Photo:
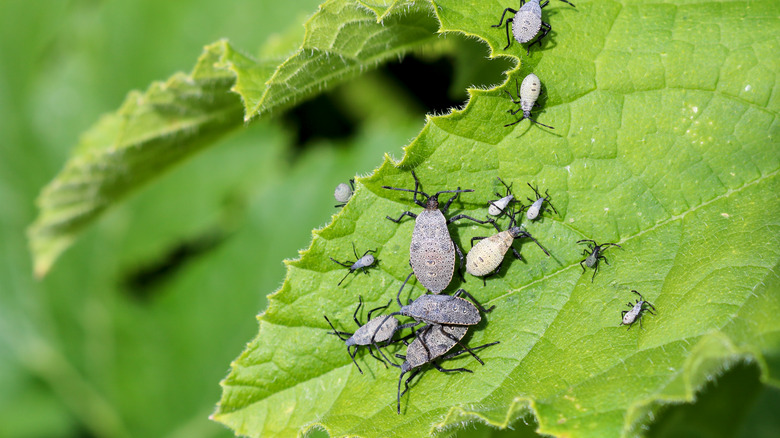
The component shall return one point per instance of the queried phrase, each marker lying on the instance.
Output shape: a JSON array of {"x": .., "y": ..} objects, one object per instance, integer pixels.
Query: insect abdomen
[
  {"x": 486, "y": 255},
  {"x": 432, "y": 253},
  {"x": 525, "y": 26}
]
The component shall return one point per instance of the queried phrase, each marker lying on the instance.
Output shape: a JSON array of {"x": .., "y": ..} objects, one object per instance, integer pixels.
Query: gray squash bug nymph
[
  {"x": 370, "y": 334},
  {"x": 362, "y": 262},
  {"x": 445, "y": 309},
  {"x": 432, "y": 342},
  {"x": 343, "y": 192},
  {"x": 486, "y": 256},
  {"x": 527, "y": 94},
  {"x": 441, "y": 309},
  {"x": 537, "y": 205},
  {"x": 432, "y": 251},
  {"x": 526, "y": 23},
  {"x": 594, "y": 254},
  {"x": 498, "y": 207},
  {"x": 637, "y": 309}
]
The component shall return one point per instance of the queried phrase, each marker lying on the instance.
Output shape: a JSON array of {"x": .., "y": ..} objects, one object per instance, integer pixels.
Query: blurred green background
[{"x": 134, "y": 327}]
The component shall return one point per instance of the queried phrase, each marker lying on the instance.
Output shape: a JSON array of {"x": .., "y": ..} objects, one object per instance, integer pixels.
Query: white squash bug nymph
[
  {"x": 637, "y": 309},
  {"x": 526, "y": 23},
  {"x": 498, "y": 207},
  {"x": 362, "y": 262},
  {"x": 343, "y": 192},
  {"x": 527, "y": 93},
  {"x": 537, "y": 205},
  {"x": 486, "y": 257}
]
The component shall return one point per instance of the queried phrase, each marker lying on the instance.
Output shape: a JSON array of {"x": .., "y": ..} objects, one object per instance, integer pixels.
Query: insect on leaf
[{"x": 665, "y": 142}]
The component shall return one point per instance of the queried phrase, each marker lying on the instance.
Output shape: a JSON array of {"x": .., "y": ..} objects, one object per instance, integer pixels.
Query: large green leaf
[
  {"x": 172, "y": 120},
  {"x": 665, "y": 120}
]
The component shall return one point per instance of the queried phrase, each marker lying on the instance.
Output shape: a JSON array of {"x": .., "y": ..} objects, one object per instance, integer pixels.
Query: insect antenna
[{"x": 336, "y": 332}]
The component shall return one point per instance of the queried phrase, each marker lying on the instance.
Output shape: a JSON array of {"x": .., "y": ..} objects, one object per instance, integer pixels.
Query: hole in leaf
[
  {"x": 143, "y": 281},
  {"x": 319, "y": 118},
  {"x": 432, "y": 83}
]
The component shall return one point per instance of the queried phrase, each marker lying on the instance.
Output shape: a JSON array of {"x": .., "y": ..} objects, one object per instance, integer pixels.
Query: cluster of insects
[
  {"x": 526, "y": 24},
  {"x": 438, "y": 323}
]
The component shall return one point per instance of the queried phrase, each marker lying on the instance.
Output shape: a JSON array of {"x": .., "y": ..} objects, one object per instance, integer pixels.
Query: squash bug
[
  {"x": 498, "y": 207},
  {"x": 637, "y": 309},
  {"x": 362, "y": 262},
  {"x": 486, "y": 256},
  {"x": 372, "y": 332},
  {"x": 432, "y": 251},
  {"x": 526, "y": 23},
  {"x": 343, "y": 192},
  {"x": 441, "y": 309},
  {"x": 445, "y": 309},
  {"x": 594, "y": 254},
  {"x": 431, "y": 343},
  {"x": 527, "y": 94},
  {"x": 537, "y": 205}
]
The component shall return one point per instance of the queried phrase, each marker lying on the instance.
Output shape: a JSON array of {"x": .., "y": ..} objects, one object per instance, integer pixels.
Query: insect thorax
[{"x": 532, "y": 7}]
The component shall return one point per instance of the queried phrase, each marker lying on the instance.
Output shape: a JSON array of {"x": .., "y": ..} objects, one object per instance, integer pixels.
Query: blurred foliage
[{"x": 131, "y": 331}]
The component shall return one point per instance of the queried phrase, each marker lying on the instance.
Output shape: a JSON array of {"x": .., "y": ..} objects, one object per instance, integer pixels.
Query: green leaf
[
  {"x": 173, "y": 120},
  {"x": 127, "y": 148},
  {"x": 665, "y": 121}
]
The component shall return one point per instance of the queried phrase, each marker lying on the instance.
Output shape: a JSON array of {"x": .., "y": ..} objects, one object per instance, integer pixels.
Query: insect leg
[
  {"x": 374, "y": 354},
  {"x": 345, "y": 264},
  {"x": 547, "y": 195},
  {"x": 479, "y": 306},
  {"x": 398, "y": 297},
  {"x": 541, "y": 124},
  {"x": 502, "y": 16},
  {"x": 515, "y": 112},
  {"x": 459, "y": 352},
  {"x": 381, "y": 307},
  {"x": 336, "y": 332},
  {"x": 463, "y": 216},
  {"x": 406, "y": 386},
  {"x": 465, "y": 348},
  {"x": 461, "y": 258},
  {"x": 450, "y": 370},
  {"x": 517, "y": 99},
  {"x": 354, "y": 315},
  {"x": 526, "y": 234},
  {"x": 406, "y": 213},
  {"x": 449, "y": 202},
  {"x": 352, "y": 355},
  {"x": 345, "y": 277},
  {"x": 476, "y": 238},
  {"x": 545, "y": 29}
]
